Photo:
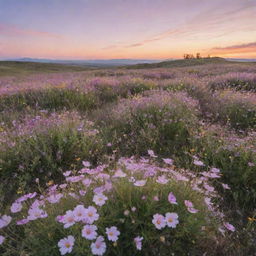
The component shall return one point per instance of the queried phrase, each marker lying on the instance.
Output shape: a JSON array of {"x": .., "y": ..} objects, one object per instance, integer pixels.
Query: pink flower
[
  {"x": 156, "y": 198},
  {"x": 229, "y": 226},
  {"x": 133, "y": 209},
  {"x": 192, "y": 210},
  {"x": 162, "y": 179},
  {"x": 143, "y": 197},
  {"x": 36, "y": 213},
  {"x": 225, "y": 186},
  {"x": 74, "y": 195},
  {"x": 172, "y": 198},
  {"x": 91, "y": 214},
  {"x": 74, "y": 179},
  {"x": 215, "y": 170},
  {"x": 22, "y": 222},
  {"x": 67, "y": 173},
  {"x": 171, "y": 219},
  {"x": 99, "y": 247},
  {"x": 99, "y": 199},
  {"x": 86, "y": 164},
  {"x": 126, "y": 212},
  {"x": 68, "y": 219},
  {"x": 5, "y": 221},
  {"x": 151, "y": 153},
  {"x": 188, "y": 203},
  {"x": 16, "y": 207},
  {"x": 82, "y": 192},
  {"x": 2, "y": 238},
  {"x": 87, "y": 182},
  {"x": 55, "y": 198},
  {"x": 159, "y": 221},
  {"x": 198, "y": 163},
  {"x": 208, "y": 187},
  {"x": 119, "y": 174},
  {"x": 140, "y": 183},
  {"x": 112, "y": 233},
  {"x": 168, "y": 161},
  {"x": 63, "y": 185},
  {"x": 31, "y": 195},
  {"x": 138, "y": 242},
  {"x": 190, "y": 206},
  {"x": 79, "y": 213},
  {"x": 66, "y": 245},
  {"x": 89, "y": 232}
]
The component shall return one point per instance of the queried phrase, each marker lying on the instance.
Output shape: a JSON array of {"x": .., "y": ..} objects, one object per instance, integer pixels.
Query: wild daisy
[
  {"x": 138, "y": 242},
  {"x": 91, "y": 215},
  {"x": 66, "y": 245},
  {"x": 99, "y": 246},
  {"x": 99, "y": 199},
  {"x": 159, "y": 221},
  {"x": 171, "y": 219},
  {"x": 89, "y": 232},
  {"x": 112, "y": 233}
]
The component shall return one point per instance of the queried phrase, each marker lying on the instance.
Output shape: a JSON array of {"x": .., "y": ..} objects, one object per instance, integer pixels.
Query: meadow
[{"x": 152, "y": 159}]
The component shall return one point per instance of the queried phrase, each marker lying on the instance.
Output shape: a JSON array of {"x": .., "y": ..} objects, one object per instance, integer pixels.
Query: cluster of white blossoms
[
  {"x": 99, "y": 183},
  {"x": 170, "y": 219}
]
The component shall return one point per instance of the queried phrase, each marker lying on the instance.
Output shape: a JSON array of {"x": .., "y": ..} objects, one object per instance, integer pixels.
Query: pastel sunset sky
[{"x": 148, "y": 29}]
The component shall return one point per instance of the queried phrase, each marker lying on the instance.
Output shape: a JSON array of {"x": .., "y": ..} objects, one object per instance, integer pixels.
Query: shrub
[
  {"x": 52, "y": 99},
  {"x": 161, "y": 120},
  {"x": 236, "y": 157},
  {"x": 43, "y": 148},
  {"x": 237, "y": 81},
  {"x": 152, "y": 211}
]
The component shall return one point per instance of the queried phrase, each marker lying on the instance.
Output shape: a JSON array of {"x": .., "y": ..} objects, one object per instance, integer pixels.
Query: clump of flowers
[{"x": 118, "y": 211}]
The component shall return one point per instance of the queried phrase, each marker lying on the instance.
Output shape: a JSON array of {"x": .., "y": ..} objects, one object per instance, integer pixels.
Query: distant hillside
[
  {"x": 96, "y": 62},
  {"x": 180, "y": 63},
  {"x": 10, "y": 68}
]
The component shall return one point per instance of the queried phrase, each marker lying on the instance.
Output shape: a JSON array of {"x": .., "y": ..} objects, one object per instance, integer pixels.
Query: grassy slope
[
  {"x": 10, "y": 68},
  {"x": 182, "y": 63}
]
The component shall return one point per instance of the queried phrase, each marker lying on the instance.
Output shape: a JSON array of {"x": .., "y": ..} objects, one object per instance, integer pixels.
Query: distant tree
[
  {"x": 198, "y": 55},
  {"x": 187, "y": 56}
]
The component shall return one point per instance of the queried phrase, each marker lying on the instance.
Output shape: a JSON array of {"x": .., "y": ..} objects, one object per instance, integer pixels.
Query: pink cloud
[
  {"x": 11, "y": 30},
  {"x": 240, "y": 48},
  {"x": 213, "y": 23}
]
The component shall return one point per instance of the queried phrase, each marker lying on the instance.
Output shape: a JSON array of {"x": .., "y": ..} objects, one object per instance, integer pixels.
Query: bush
[
  {"x": 43, "y": 150},
  {"x": 52, "y": 99},
  {"x": 236, "y": 157},
  {"x": 237, "y": 81},
  {"x": 127, "y": 196},
  {"x": 160, "y": 120},
  {"x": 236, "y": 109}
]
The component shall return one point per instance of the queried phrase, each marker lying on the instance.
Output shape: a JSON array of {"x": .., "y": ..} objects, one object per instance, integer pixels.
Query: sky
[{"x": 138, "y": 29}]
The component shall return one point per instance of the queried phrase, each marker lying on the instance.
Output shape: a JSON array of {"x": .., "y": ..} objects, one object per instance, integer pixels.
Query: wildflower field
[{"x": 139, "y": 161}]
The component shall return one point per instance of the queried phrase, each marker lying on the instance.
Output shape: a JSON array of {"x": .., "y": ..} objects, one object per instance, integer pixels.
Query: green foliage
[
  {"x": 52, "y": 99},
  {"x": 237, "y": 160},
  {"x": 137, "y": 125},
  {"x": 45, "y": 155},
  {"x": 41, "y": 237},
  {"x": 10, "y": 68}
]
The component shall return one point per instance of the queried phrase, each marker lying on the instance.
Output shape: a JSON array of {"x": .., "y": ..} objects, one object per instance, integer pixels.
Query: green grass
[
  {"x": 181, "y": 63},
  {"x": 12, "y": 68}
]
